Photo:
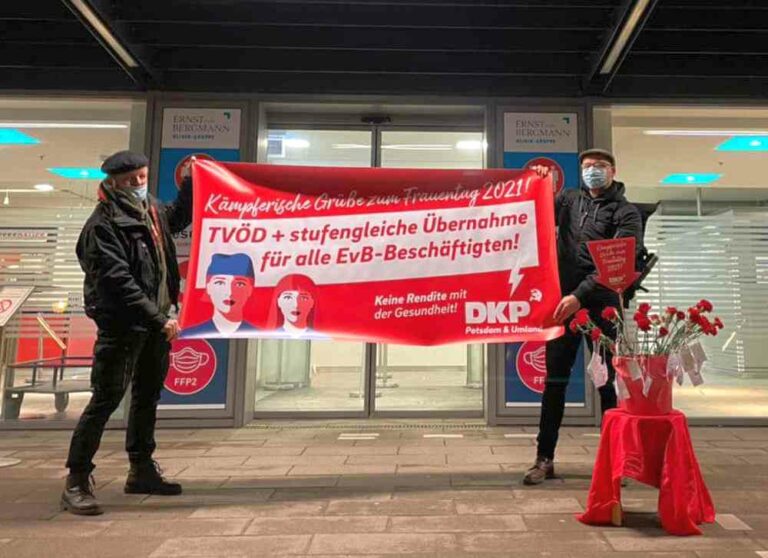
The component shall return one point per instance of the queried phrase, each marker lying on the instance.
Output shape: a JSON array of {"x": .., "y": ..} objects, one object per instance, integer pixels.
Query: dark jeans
[
  {"x": 561, "y": 356},
  {"x": 120, "y": 359}
]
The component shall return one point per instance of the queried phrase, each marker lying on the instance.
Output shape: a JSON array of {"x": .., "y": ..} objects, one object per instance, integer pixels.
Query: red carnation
[
  {"x": 642, "y": 321},
  {"x": 582, "y": 317},
  {"x": 680, "y": 315},
  {"x": 704, "y": 305},
  {"x": 655, "y": 318},
  {"x": 644, "y": 308},
  {"x": 718, "y": 323},
  {"x": 610, "y": 313},
  {"x": 573, "y": 327},
  {"x": 596, "y": 333},
  {"x": 694, "y": 315},
  {"x": 671, "y": 310}
]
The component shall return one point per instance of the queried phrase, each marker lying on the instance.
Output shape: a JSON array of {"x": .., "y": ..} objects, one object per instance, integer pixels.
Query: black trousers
[
  {"x": 122, "y": 358},
  {"x": 560, "y": 357}
]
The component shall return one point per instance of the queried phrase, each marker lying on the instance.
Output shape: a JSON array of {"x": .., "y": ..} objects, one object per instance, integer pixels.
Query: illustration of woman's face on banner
[
  {"x": 295, "y": 301},
  {"x": 229, "y": 294},
  {"x": 296, "y": 306}
]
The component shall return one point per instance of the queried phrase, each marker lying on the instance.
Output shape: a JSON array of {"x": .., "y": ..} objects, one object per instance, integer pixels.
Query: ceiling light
[
  {"x": 15, "y": 137},
  {"x": 63, "y": 125},
  {"x": 745, "y": 143},
  {"x": 471, "y": 145},
  {"x": 691, "y": 178},
  {"x": 43, "y": 187},
  {"x": 624, "y": 35},
  {"x": 350, "y": 146},
  {"x": 703, "y": 133},
  {"x": 6, "y": 199},
  {"x": 419, "y": 147},
  {"x": 78, "y": 173},
  {"x": 298, "y": 143},
  {"x": 106, "y": 35},
  {"x": 22, "y": 190}
]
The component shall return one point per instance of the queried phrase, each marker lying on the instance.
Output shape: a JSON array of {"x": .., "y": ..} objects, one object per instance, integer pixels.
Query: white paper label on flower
[
  {"x": 635, "y": 372},
  {"x": 689, "y": 363},
  {"x": 698, "y": 353},
  {"x": 647, "y": 381},
  {"x": 598, "y": 370},
  {"x": 621, "y": 389}
]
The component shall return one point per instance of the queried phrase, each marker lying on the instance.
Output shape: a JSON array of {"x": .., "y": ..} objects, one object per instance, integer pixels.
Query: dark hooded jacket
[
  {"x": 119, "y": 255},
  {"x": 580, "y": 218}
]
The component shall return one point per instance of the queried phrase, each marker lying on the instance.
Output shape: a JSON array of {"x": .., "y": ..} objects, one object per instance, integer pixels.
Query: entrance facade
[{"x": 316, "y": 378}]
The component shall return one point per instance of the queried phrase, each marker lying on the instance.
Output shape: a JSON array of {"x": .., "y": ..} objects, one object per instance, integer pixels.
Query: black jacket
[
  {"x": 581, "y": 218},
  {"x": 117, "y": 253}
]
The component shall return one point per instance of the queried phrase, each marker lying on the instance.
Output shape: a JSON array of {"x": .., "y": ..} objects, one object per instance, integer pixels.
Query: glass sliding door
[
  {"x": 445, "y": 378},
  {"x": 312, "y": 376}
]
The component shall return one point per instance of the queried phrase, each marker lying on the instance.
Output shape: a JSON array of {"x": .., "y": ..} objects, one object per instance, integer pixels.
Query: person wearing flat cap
[
  {"x": 131, "y": 283},
  {"x": 228, "y": 286},
  {"x": 596, "y": 211}
]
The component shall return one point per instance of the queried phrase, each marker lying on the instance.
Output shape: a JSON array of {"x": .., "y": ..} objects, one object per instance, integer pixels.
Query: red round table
[{"x": 655, "y": 450}]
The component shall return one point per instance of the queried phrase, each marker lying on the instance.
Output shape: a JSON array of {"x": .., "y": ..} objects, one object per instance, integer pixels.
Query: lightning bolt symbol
[{"x": 515, "y": 278}]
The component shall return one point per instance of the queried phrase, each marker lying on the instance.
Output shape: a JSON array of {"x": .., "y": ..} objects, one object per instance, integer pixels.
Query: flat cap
[
  {"x": 599, "y": 153},
  {"x": 124, "y": 161}
]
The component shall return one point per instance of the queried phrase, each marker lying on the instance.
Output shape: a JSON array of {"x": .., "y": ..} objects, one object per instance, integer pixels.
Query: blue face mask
[
  {"x": 140, "y": 193},
  {"x": 595, "y": 178}
]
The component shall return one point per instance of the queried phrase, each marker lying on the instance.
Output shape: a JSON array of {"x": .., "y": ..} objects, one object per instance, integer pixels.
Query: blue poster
[
  {"x": 549, "y": 139},
  {"x": 197, "y": 373}
]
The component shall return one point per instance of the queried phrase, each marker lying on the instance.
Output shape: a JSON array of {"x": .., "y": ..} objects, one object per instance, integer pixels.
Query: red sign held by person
[{"x": 615, "y": 262}]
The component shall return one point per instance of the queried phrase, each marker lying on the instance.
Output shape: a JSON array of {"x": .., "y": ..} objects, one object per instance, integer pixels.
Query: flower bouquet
[{"x": 648, "y": 357}]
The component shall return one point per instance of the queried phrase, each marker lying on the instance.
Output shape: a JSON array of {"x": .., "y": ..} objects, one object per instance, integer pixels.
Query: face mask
[
  {"x": 140, "y": 193},
  {"x": 595, "y": 178}
]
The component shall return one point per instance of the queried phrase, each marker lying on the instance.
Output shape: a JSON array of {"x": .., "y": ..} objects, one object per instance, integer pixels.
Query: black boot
[
  {"x": 147, "y": 478},
  {"x": 78, "y": 497}
]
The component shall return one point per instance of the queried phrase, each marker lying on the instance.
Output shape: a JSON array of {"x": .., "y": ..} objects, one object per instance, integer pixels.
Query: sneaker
[
  {"x": 78, "y": 497},
  {"x": 543, "y": 468},
  {"x": 147, "y": 478}
]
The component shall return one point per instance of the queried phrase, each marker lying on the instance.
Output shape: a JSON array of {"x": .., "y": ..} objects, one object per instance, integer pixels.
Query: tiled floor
[{"x": 330, "y": 492}]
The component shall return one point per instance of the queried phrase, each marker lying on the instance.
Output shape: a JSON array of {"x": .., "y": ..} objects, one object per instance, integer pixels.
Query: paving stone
[
  {"x": 201, "y": 498},
  {"x": 265, "y": 509},
  {"x": 390, "y": 543},
  {"x": 28, "y": 511},
  {"x": 243, "y": 471},
  {"x": 304, "y": 470},
  {"x": 332, "y": 493},
  {"x": 456, "y": 524},
  {"x": 313, "y": 525},
  {"x": 406, "y": 460},
  {"x": 532, "y": 506},
  {"x": 49, "y": 529},
  {"x": 585, "y": 542},
  {"x": 177, "y": 527},
  {"x": 392, "y": 482},
  {"x": 233, "y": 547},
  {"x": 392, "y": 507},
  {"x": 458, "y": 493},
  {"x": 252, "y": 451},
  {"x": 269, "y": 460},
  {"x": 350, "y": 450},
  {"x": 93, "y": 547},
  {"x": 658, "y": 540},
  {"x": 283, "y": 482},
  {"x": 554, "y": 522}
]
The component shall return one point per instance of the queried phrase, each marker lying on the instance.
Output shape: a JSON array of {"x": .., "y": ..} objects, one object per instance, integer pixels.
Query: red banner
[
  {"x": 615, "y": 262},
  {"x": 420, "y": 257}
]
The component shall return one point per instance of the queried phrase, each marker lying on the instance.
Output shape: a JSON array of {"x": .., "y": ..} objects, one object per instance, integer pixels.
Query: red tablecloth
[{"x": 654, "y": 450}]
